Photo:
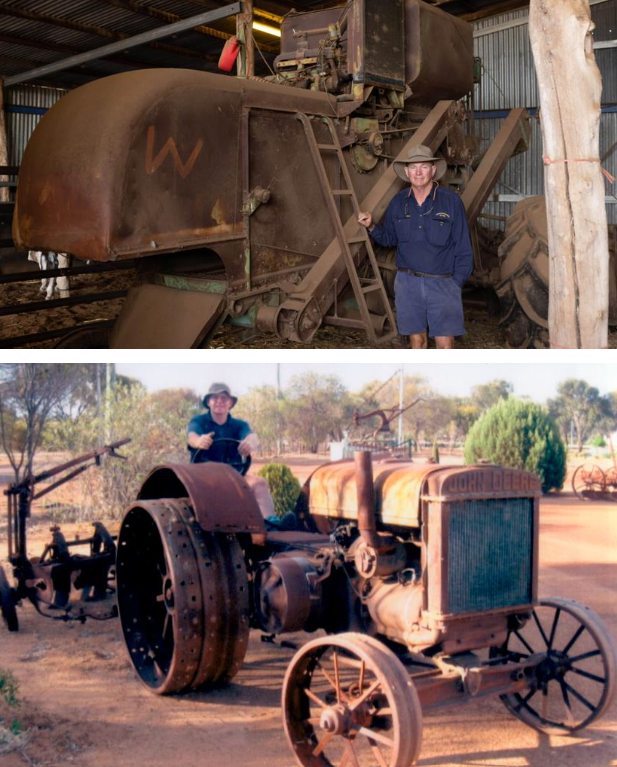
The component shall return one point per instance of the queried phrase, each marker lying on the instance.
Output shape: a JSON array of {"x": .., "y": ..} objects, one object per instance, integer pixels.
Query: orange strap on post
[{"x": 549, "y": 161}]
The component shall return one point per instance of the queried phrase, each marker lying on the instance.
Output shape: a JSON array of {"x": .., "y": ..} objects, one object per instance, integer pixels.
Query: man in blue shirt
[
  {"x": 428, "y": 225},
  {"x": 204, "y": 430}
]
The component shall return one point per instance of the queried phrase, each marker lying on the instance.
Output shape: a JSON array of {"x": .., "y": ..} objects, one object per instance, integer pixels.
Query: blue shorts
[{"x": 433, "y": 302}]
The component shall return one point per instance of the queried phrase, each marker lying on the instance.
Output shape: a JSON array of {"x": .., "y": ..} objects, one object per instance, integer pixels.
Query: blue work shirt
[
  {"x": 233, "y": 428},
  {"x": 432, "y": 237}
]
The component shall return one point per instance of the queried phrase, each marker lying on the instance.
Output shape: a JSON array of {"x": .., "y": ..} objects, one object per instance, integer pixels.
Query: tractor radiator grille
[{"x": 490, "y": 554}]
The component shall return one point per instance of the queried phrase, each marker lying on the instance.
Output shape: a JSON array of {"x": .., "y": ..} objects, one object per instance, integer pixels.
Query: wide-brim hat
[
  {"x": 218, "y": 388},
  {"x": 420, "y": 153}
]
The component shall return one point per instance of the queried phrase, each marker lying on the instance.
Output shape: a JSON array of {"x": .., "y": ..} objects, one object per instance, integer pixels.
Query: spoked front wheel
[
  {"x": 574, "y": 682},
  {"x": 348, "y": 700}
]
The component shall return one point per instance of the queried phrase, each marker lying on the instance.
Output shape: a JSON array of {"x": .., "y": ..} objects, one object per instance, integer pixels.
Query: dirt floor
[
  {"x": 82, "y": 704},
  {"x": 483, "y": 330}
]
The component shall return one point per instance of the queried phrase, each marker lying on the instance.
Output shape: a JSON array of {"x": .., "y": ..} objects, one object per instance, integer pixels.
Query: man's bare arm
[{"x": 200, "y": 441}]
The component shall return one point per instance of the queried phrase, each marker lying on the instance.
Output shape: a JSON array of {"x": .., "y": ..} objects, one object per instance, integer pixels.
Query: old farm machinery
[
  {"x": 424, "y": 579},
  {"x": 239, "y": 196},
  {"x": 591, "y": 483},
  {"x": 47, "y": 581}
]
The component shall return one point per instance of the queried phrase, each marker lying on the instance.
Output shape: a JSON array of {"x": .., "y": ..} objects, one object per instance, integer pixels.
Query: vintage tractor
[
  {"x": 240, "y": 195},
  {"x": 424, "y": 579}
]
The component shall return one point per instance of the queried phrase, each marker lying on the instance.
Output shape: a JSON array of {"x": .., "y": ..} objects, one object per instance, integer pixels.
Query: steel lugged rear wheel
[
  {"x": 7, "y": 603},
  {"x": 182, "y": 596},
  {"x": 574, "y": 682},
  {"x": 349, "y": 701}
]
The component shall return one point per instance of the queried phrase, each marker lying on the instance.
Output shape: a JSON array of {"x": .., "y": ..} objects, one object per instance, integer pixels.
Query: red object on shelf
[{"x": 231, "y": 49}]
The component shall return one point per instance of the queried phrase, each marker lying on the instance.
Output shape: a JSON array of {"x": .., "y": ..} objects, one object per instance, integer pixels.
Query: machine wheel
[
  {"x": 588, "y": 482},
  {"x": 523, "y": 276},
  {"x": 349, "y": 700},
  {"x": 7, "y": 603},
  {"x": 523, "y": 287},
  {"x": 183, "y": 598},
  {"x": 574, "y": 682}
]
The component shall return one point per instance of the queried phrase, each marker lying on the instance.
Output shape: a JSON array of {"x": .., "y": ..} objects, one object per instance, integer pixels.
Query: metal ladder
[{"x": 362, "y": 286}]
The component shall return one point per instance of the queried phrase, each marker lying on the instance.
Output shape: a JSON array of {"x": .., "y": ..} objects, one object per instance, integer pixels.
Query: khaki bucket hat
[
  {"x": 420, "y": 153},
  {"x": 218, "y": 388}
]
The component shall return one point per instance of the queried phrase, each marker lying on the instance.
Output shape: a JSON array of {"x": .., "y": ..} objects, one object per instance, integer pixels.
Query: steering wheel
[{"x": 238, "y": 462}]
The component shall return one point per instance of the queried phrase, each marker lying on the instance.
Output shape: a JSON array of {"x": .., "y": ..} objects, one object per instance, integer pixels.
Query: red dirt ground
[{"x": 84, "y": 706}]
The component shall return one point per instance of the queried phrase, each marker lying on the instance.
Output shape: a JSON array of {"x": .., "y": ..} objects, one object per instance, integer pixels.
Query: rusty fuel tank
[{"x": 400, "y": 488}]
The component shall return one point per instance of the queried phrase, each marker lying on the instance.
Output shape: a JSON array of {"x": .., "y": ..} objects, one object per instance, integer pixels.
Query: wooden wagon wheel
[
  {"x": 610, "y": 483},
  {"x": 588, "y": 482},
  {"x": 348, "y": 700}
]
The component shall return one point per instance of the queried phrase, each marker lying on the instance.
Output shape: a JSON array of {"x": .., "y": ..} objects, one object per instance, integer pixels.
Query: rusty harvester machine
[
  {"x": 424, "y": 578},
  {"x": 47, "y": 581},
  {"x": 240, "y": 195}
]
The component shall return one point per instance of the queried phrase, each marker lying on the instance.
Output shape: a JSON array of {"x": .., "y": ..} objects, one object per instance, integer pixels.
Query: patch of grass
[
  {"x": 12, "y": 734},
  {"x": 9, "y": 688}
]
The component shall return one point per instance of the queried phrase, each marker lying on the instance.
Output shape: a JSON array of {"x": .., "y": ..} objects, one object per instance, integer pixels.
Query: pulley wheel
[
  {"x": 182, "y": 597},
  {"x": 348, "y": 700},
  {"x": 7, "y": 603},
  {"x": 588, "y": 482},
  {"x": 574, "y": 682}
]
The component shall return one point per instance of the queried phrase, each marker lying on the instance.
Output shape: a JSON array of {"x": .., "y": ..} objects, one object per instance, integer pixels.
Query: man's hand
[
  {"x": 365, "y": 219},
  {"x": 247, "y": 445},
  {"x": 204, "y": 442}
]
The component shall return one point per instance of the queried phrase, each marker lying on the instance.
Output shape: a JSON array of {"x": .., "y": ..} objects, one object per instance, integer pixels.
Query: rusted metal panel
[
  {"x": 220, "y": 498},
  {"x": 126, "y": 165},
  {"x": 157, "y": 317},
  {"x": 437, "y": 77}
]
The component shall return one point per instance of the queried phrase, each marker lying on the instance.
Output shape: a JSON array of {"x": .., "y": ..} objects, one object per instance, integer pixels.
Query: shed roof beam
[
  {"x": 167, "y": 17},
  {"x": 127, "y": 40},
  {"x": 27, "y": 42},
  {"x": 256, "y": 11}
]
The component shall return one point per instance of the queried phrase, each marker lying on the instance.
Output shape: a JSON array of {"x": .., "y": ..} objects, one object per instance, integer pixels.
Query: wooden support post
[
  {"x": 4, "y": 145},
  {"x": 570, "y": 88},
  {"x": 244, "y": 32}
]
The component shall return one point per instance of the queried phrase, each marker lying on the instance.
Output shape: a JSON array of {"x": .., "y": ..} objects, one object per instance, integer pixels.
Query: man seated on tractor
[{"x": 218, "y": 436}]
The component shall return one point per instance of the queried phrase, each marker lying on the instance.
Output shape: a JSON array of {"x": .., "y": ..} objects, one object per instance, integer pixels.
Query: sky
[{"x": 538, "y": 381}]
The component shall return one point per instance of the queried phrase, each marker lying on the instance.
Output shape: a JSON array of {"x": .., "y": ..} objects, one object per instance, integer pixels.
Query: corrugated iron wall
[
  {"x": 509, "y": 80},
  {"x": 25, "y": 105}
]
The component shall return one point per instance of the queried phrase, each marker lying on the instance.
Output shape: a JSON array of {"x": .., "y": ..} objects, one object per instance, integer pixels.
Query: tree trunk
[{"x": 570, "y": 88}]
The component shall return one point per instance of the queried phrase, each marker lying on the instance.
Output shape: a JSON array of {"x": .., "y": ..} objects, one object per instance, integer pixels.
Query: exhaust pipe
[{"x": 366, "y": 501}]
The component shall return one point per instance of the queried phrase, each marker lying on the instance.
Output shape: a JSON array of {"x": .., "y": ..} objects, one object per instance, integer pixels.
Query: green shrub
[
  {"x": 519, "y": 435},
  {"x": 284, "y": 487},
  {"x": 598, "y": 441}
]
